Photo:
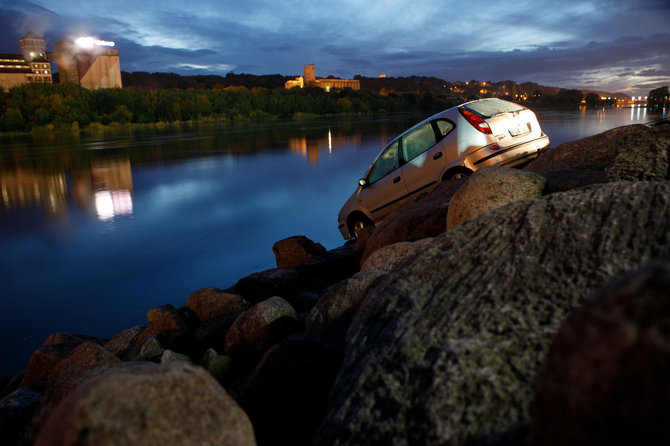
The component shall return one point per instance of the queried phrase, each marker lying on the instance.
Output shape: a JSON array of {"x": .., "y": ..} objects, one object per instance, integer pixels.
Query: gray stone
[
  {"x": 330, "y": 318},
  {"x": 385, "y": 258},
  {"x": 260, "y": 327},
  {"x": 643, "y": 156},
  {"x": 490, "y": 188},
  {"x": 122, "y": 342},
  {"x": 605, "y": 380},
  {"x": 219, "y": 366},
  {"x": 446, "y": 348},
  {"x": 170, "y": 356},
  {"x": 146, "y": 403},
  {"x": 146, "y": 349}
]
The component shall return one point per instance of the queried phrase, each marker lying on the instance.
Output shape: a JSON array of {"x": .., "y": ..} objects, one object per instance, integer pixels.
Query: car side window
[
  {"x": 443, "y": 127},
  {"x": 386, "y": 163},
  {"x": 417, "y": 142}
]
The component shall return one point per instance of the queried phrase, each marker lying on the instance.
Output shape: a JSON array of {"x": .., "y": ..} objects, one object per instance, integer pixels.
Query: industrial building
[
  {"x": 310, "y": 79},
  {"x": 87, "y": 62},
  {"x": 30, "y": 66}
]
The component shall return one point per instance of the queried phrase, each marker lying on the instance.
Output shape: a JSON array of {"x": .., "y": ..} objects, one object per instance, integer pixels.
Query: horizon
[{"x": 601, "y": 45}]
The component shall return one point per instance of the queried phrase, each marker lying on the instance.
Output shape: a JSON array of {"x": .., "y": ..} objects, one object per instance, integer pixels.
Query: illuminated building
[
  {"x": 30, "y": 66},
  {"x": 310, "y": 79},
  {"x": 88, "y": 62}
]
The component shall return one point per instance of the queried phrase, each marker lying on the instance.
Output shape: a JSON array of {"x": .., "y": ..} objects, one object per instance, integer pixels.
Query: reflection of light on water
[
  {"x": 330, "y": 142},
  {"x": 111, "y": 203}
]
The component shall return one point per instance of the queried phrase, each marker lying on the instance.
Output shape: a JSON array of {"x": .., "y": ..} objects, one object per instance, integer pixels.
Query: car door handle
[
  {"x": 437, "y": 156},
  {"x": 396, "y": 179}
]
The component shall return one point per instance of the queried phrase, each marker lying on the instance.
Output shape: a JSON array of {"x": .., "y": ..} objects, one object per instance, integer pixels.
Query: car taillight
[
  {"x": 494, "y": 147},
  {"x": 475, "y": 121}
]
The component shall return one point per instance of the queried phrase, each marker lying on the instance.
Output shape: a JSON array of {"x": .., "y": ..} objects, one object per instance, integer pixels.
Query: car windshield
[{"x": 488, "y": 108}]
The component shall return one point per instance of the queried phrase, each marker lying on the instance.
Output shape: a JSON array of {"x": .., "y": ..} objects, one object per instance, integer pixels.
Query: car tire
[
  {"x": 455, "y": 174},
  {"x": 359, "y": 225}
]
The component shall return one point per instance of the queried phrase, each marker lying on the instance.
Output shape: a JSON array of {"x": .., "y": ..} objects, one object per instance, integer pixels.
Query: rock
[
  {"x": 446, "y": 347},
  {"x": 257, "y": 287},
  {"x": 213, "y": 332},
  {"x": 168, "y": 325},
  {"x": 168, "y": 404},
  {"x": 212, "y": 303},
  {"x": 170, "y": 356},
  {"x": 260, "y": 327},
  {"x": 492, "y": 187},
  {"x": 564, "y": 180},
  {"x": 123, "y": 342},
  {"x": 219, "y": 366},
  {"x": 285, "y": 396},
  {"x": 340, "y": 263},
  {"x": 330, "y": 318},
  {"x": 84, "y": 357},
  {"x": 643, "y": 156},
  {"x": 305, "y": 301},
  {"x": 297, "y": 251},
  {"x": 596, "y": 152},
  {"x": 56, "y": 347},
  {"x": 146, "y": 349},
  {"x": 16, "y": 410},
  {"x": 605, "y": 380},
  {"x": 384, "y": 258},
  {"x": 420, "y": 217}
]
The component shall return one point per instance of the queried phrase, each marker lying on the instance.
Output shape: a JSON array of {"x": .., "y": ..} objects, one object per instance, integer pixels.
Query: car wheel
[
  {"x": 359, "y": 225},
  {"x": 456, "y": 174}
]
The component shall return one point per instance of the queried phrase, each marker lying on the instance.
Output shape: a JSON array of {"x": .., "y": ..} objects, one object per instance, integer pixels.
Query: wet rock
[
  {"x": 297, "y": 251},
  {"x": 123, "y": 342},
  {"x": 330, "y": 318},
  {"x": 643, "y": 156},
  {"x": 420, "y": 217},
  {"x": 446, "y": 347},
  {"x": 605, "y": 380},
  {"x": 490, "y": 188},
  {"x": 260, "y": 327},
  {"x": 212, "y": 303},
  {"x": 257, "y": 287},
  {"x": 168, "y": 404},
  {"x": 221, "y": 367},
  {"x": 285, "y": 396},
  {"x": 384, "y": 258},
  {"x": 84, "y": 357}
]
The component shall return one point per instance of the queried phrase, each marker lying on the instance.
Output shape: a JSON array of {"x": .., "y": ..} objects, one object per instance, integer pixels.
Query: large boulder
[
  {"x": 297, "y": 251},
  {"x": 257, "y": 287},
  {"x": 211, "y": 303},
  {"x": 329, "y": 320},
  {"x": 84, "y": 357},
  {"x": 123, "y": 342},
  {"x": 420, "y": 217},
  {"x": 446, "y": 347},
  {"x": 384, "y": 258},
  {"x": 643, "y": 156},
  {"x": 146, "y": 403},
  {"x": 605, "y": 380},
  {"x": 260, "y": 327},
  {"x": 492, "y": 187}
]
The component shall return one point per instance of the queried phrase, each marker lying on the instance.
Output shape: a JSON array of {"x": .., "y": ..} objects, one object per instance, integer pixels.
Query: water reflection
[
  {"x": 25, "y": 187},
  {"x": 309, "y": 146}
]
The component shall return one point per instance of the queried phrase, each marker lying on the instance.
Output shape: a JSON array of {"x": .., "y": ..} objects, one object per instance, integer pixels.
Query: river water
[{"x": 97, "y": 229}]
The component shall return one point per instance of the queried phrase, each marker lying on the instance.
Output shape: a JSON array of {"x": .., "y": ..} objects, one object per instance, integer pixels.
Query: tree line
[{"x": 63, "y": 106}]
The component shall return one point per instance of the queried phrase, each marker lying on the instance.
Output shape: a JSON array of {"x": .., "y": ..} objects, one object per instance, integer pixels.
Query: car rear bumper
[{"x": 508, "y": 156}]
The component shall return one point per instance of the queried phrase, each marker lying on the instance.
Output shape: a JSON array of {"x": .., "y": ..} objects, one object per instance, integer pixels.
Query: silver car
[{"x": 451, "y": 144}]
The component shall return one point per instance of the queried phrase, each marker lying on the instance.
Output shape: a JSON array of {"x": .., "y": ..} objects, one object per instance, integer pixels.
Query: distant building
[
  {"x": 91, "y": 66},
  {"x": 310, "y": 79},
  {"x": 31, "y": 66}
]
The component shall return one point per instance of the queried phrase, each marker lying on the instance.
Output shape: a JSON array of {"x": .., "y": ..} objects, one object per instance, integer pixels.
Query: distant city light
[{"x": 90, "y": 42}]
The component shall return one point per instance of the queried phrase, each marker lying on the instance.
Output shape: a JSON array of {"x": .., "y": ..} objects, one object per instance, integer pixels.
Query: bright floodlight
[
  {"x": 85, "y": 42},
  {"x": 90, "y": 42}
]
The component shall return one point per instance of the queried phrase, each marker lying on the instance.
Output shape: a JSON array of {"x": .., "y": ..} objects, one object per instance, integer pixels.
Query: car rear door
[{"x": 424, "y": 156}]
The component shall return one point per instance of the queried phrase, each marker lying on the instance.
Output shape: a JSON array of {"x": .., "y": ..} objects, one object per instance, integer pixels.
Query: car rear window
[{"x": 488, "y": 108}]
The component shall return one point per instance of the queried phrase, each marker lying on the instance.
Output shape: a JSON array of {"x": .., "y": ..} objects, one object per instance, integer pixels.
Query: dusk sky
[{"x": 613, "y": 45}]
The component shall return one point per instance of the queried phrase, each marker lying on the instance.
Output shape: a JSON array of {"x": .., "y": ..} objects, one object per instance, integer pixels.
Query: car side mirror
[{"x": 362, "y": 182}]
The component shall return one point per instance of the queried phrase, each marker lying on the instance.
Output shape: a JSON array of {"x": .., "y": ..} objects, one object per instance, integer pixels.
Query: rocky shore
[{"x": 512, "y": 307}]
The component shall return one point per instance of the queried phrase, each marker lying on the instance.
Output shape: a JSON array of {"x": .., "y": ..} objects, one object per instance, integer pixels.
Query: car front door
[
  {"x": 385, "y": 189},
  {"x": 423, "y": 154}
]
